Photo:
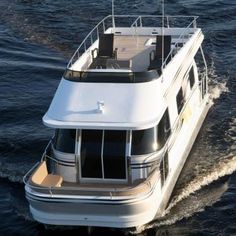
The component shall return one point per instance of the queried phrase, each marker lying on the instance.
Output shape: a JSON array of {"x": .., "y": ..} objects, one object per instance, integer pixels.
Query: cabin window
[
  {"x": 150, "y": 140},
  {"x": 164, "y": 129},
  {"x": 164, "y": 168},
  {"x": 64, "y": 140},
  {"x": 180, "y": 100},
  {"x": 103, "y": 154},
  {"x": 144, "y": 141},
  {"x": 191, "y": 78}
]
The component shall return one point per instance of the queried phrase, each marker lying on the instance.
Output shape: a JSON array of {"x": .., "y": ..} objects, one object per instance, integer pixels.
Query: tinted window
[
  {"x": 91, "y": 145},
  {"x": 100, "y": 77},
  {"x": 180, "y": 100},
  {"x": 114, "y": 154},
  {"x": 163, "y": 129},
  {"x": 64, "y": 140},
  {"x": 191, "y": 78},
  {"x": 144, "y": 141}
]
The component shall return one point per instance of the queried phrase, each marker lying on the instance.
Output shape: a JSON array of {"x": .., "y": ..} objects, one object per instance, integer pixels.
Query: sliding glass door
[
  {"x": 103, "y": 154},
  {"x": 90, "y": 154},
  {"x": 114, "y": 154}
]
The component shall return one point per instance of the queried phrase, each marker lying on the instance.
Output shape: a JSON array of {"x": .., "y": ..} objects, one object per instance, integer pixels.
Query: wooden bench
[{"x": 41, "y": 177}]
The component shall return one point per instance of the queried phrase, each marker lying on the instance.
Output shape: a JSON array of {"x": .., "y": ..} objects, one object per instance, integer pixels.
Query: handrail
[
  {"x": 26, "y": 176},
  {"x": 46, "y": 150},
  {"x": 83, "y": 44},
  {"x": 56, "y": 160},
  {"x": 89, "y": 34},
  {"x": 173, "y": 50},
  {"x": 136, "y": 22},
  {"x": 112, "y": 192}
]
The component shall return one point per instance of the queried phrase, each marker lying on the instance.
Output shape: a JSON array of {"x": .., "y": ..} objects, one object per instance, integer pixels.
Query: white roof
[{"x": 126, "y": 106}]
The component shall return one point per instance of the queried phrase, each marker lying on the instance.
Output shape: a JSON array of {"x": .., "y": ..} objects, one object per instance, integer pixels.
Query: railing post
[
  {"x": 206, "y": 69},
  {"x": 195, "y": 22},
  {"x": 136, "y": 34},
  {"x": 103, "y": 25},
  {"x": 91, "y": 38},
  {"x": 97, "y": 33},
  {"x": 141, "y": 22},
  {"x": 167, "y": 22}
]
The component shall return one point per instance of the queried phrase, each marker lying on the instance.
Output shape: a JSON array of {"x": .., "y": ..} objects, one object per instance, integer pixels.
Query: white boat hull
[{"x": 126, "y": 213}]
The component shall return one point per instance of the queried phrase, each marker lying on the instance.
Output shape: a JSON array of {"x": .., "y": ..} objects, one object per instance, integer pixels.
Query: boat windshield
[{"x": 110, "y": 77}]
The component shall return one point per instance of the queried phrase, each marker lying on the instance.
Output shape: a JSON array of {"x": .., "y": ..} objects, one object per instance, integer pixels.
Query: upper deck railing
[{"x": 135, "y": 22}]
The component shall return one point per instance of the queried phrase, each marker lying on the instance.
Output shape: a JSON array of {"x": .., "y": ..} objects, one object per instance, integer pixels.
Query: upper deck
[
  {"x": 87, "y": 97},
  {"x": 136, "y": 42}
]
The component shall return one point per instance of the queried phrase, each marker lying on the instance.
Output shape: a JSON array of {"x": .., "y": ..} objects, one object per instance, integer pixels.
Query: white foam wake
[
  {"x": 223, "y": 168},
  {"x": 13, "y": 172},
  {"x": 217, "y": 85},
  {"x": 194, "y": 204}
]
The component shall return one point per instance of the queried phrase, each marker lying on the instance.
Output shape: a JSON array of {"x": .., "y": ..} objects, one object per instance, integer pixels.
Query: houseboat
[{"x": 126, "y": 114}]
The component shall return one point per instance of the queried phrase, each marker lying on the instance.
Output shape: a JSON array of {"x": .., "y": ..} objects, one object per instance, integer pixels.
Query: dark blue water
[{"x": 37, "y": 38}]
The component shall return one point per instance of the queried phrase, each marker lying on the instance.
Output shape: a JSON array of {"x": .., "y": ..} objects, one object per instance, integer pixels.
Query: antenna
[
  {"x": 112, "y": 13},
  {"x": 162, "y": 33}
]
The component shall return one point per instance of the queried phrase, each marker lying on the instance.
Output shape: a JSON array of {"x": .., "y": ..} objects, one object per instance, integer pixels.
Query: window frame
[
  {"x": 163, "y": 128},
  {"x": 166, "y": 126},
  {"x": 155, "y": 139},
  {"x": 191, "y": 77},
  {"x": 180, "y": 100},
  {"x": 103, "y": 179}
]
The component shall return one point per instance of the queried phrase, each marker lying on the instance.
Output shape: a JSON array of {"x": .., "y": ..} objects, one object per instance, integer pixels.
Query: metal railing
[
  {"x": 46, "y": 150},
  {"x": 89, "y": 40},
  {"x": 109, "y": 192},
  {"x": 202, "y": 73},
  {"x": 137, "y": 22},
  {"x": 28, "y": 174},
  {"x": 180, "y": 42}
]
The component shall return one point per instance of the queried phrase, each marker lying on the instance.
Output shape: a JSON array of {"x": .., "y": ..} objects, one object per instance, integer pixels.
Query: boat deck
[
  {"x": 133, "y": 53},
  {"x": 99, "y": 189},
  {"x": 130, "y": 46},
  {"x": 134, "y": 38}
]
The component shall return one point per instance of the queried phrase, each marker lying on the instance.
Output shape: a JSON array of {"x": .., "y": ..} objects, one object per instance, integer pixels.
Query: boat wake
[
  {"x": 6, "y": 173},
  {"x": 195, "y": 196},
  {"x": 207, "y": 164},
  {"x": 221, "y": 169},
  {"x": 13, "y": 172},
  {"x": 217, "y": 85}
]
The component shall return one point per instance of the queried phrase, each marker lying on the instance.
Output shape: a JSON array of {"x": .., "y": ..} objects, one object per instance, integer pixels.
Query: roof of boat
[{"x": 116, "y": 97}]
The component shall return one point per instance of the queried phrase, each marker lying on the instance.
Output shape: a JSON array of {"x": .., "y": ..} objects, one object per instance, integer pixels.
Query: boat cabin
[{"x": 109, "y": 155}]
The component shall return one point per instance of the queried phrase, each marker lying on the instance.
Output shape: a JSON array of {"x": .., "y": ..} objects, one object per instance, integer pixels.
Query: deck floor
[
  {"x": 130, "y": 46},
  {"x": 106, "y": 189}
]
